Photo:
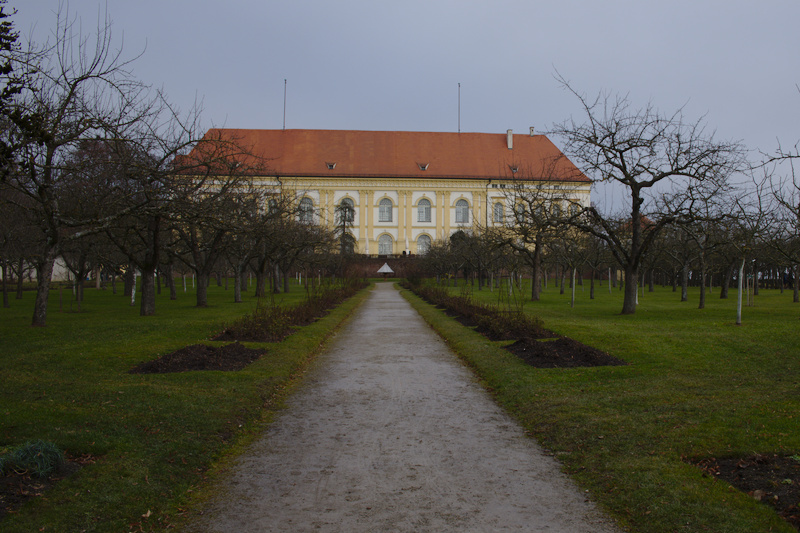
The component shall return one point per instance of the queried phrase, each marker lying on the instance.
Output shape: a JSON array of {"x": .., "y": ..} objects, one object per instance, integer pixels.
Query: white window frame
[
  {"x": 385, "y": 208},
  {"x": 352, "y": 212},
  {"x": 306, "y": 211},
  {"x": 498, "y": 213},
  {"x": 424, "y": 210},
  {"x": 462, "y": 212},
  {"x": 385, "y": 244},
  {"x": 424, "y": 243}
]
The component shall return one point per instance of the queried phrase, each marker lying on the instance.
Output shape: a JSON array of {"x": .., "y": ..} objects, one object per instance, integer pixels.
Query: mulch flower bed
[
  {"x": 562, "y": 352},
  {"x": 770, "y": 479},
  {"x": 230, "y": 357}
]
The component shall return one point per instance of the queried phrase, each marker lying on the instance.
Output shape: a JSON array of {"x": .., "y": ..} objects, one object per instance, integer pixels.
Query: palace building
[{"x": 406, "y": 190}]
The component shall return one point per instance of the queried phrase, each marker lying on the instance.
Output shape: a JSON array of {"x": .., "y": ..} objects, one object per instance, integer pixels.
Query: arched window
[
  {"x": 272, "y": 206},
  {"x": 573, "y": 209},
  {"x": 385, "y": 244},
  {"x": 306, "y": 211},
  {"x": 385, "y": 210},
  {"x": 462, "y": 212},
  {"x": 424, "y": 211},
  {"x": 556, "y": 210},
  {"x": 499, "y": 213},
  {"x": 520, "y": 213},
  {"x": 347, "y": 211},
  {"x": 423, "y": 244}
]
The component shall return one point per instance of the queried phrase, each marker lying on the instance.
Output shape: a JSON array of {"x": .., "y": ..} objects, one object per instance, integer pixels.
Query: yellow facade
[
  {"x": 407, "y": 226},
  {"x": 408, "y": 189}
]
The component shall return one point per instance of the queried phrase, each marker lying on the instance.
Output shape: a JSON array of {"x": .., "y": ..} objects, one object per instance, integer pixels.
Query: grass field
[
  {"x": 696, "y": 386},
  {"x": 147, "y": 439}
]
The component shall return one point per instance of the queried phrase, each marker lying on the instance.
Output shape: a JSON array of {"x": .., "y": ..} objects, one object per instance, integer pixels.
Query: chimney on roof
[
  {"x": 531, "y": 131},
  {"x": 510, "y": 139}
]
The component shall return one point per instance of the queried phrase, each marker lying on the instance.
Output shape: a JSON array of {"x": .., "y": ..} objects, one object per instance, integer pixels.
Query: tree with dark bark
[
  {"x": 652, "y": 156},
  {"x": 709, "y": 205},
  {"x": 539, "y": 210},
  {"x": 77, "y": 90}
]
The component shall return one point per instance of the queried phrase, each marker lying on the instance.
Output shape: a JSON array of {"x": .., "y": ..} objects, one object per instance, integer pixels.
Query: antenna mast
[{"x": 459, "y": 108}]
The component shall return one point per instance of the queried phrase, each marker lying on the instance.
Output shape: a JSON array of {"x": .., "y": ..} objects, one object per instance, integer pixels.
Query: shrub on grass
[
  {"x": 272, "y": 323},
  {"x": 37, "y": 458},
  {"x": 497, "y": 324}
]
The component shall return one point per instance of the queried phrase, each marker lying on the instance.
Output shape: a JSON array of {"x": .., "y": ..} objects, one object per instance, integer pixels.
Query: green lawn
[
  {"x": 150, "y": 438},
  {"x": 697, "y": 385}
]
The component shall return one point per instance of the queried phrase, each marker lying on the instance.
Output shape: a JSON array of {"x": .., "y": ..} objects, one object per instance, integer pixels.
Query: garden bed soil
[
  {"x": 230, "y": 357},
  {"x": 17, "y": 488},
  {"x": 562, "y": 352},
  {"x": 263, "y": 335},
  {"x": 508, "y": 335},
  {"x": 771, "y": 479}
]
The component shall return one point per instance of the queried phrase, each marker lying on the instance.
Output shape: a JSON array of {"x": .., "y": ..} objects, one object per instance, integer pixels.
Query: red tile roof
[{"x": 403, "y": 154}]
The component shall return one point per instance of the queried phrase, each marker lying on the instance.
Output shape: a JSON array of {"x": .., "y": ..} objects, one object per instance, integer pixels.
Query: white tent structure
[{"x": 385, "y": 270}]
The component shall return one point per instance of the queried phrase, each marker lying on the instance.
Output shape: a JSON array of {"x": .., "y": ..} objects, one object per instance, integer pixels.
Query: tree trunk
[
  {"x": 739, "y": 298},
  {"x": 20, "y": 276},
  {"x": 572, "y": 300},
  {"x": 755, "y": 278},
  {"x": 631, "y": 290},
  {"x": 129, "y": 277},
  {"x": 237, "y": 285},
  {"x": 5, "y": 284},
  {"x": 685, "y": 282},
  {"x": 276, "y": 287},
  {"x": 202, "y": 289},
  {"x": 261, "y": 283},
  {"x": 796, "y": 291},
  {"x": 169, "y": 271},
  {"x": 591, "y": 285},
  {"x": 536, "y": 289},
  {"x": 44, "y": 272},
  {"x": 702, "y": 286},
  {"x": 148, "y": 304},
  {"x": 726, "y": 282}
]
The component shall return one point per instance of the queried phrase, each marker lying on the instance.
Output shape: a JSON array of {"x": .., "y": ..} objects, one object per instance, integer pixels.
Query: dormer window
[
  {"x": 423, "y": 166},
  {"x": 330, "y": 166},
  {"x": 514, "y": 168}
]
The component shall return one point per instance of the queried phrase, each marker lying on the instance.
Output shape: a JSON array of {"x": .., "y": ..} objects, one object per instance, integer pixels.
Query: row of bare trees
[
  {"x": 695, "y": 206},
  {"x": 102, "y": 171}
]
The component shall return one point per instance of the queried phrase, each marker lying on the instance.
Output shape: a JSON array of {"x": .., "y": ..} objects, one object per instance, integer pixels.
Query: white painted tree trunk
[
  {"x": 133, "y": 290},
  {"x": 739, "y": 298}
]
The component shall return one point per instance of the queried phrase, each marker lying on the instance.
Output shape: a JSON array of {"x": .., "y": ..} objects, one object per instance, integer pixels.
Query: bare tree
[
  {"x": 709, "y": 204},
  {"x": 77, "y": 89},
  {"x": 211, "y": 191},
  {"x": 539, "y": 208},
  {"x": 785, "y": 234},
  {"x": 652, "y": 156}
]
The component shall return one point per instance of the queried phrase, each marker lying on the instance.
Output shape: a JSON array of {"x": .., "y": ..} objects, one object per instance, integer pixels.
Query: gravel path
[{"x": 389, "y": 432}]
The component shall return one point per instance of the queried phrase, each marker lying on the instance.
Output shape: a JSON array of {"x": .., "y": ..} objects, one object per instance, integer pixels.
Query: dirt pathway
[{"x": 390, "y": 433}]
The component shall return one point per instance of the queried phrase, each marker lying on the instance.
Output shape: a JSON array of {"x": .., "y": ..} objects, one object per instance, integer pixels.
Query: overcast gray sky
[{"x": 379, "y": 65}]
